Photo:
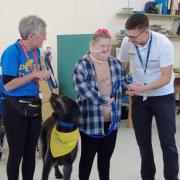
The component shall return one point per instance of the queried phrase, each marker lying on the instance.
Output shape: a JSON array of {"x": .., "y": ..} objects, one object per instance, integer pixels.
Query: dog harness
[{"x": 63, "y": 143}]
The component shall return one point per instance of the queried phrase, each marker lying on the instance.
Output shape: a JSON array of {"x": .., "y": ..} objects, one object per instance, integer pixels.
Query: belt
[{"x": 25, "y": 99}]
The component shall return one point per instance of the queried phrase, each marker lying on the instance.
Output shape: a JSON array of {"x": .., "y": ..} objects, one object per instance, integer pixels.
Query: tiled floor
[{"x": 125, "y": 163}]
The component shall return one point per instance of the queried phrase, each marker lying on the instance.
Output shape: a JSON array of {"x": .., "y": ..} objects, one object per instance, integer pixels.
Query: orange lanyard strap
[{"x": 28, "y": 58}]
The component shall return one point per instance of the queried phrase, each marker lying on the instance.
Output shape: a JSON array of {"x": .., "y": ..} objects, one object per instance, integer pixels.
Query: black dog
[{"x": 64, "y": 119}]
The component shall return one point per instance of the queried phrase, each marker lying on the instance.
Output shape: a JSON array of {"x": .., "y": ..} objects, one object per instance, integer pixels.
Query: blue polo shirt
[{"x": 14, "y": 63}]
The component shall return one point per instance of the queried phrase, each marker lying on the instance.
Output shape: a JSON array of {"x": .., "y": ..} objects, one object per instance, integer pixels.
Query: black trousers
[
  {"x": 22, "y": 137},
  {"x": 104, "y": 149},
  {"x": 163, "y": 108}
]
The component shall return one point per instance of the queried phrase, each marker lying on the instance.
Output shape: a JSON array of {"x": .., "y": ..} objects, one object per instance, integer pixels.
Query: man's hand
[
  {"x": 134, "y": 89},
  {"x": 164, "y": 79}
]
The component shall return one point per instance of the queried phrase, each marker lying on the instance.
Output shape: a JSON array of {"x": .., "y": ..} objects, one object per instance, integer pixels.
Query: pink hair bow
[{"x": 102, "y": 30}]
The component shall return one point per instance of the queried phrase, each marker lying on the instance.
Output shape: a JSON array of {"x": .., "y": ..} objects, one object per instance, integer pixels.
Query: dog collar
[{"x": 65, "y": 124}]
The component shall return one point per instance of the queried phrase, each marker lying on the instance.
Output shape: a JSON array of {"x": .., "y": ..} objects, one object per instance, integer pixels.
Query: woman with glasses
[{"x": 152, "y": 93}]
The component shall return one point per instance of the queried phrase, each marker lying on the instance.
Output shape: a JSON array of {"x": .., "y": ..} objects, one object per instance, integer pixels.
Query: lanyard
[
  {"x": 28, "y": 58},
  {"x": 51, "y": 81},
  {"x": 147, "y": 57}
]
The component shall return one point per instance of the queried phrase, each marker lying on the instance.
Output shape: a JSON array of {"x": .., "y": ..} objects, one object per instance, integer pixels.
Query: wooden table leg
[{"x": 129, "y": 123}]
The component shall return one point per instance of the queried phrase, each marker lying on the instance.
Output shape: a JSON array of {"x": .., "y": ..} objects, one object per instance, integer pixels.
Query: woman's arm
[{"x": 20, "y": 81}]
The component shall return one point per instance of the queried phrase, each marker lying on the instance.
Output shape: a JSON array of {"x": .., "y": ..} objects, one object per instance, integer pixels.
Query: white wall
[{"x": 64, "y": 17}]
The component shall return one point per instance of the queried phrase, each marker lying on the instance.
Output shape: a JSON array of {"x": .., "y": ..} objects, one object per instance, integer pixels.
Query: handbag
[{"x": 27, "y": 107}]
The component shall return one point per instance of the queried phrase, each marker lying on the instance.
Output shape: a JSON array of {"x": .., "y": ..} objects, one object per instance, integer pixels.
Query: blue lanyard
[
  {"x": 147, "y": 57},
  {"x": 51, "y": 81}
]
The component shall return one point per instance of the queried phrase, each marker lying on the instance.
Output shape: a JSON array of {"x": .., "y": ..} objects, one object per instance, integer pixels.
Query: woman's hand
[
  {"x": 44, "y": 74},
  {"x": 110, "y": 101}
]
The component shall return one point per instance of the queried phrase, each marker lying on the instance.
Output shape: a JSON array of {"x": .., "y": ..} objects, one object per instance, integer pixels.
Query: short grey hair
[{"x": 31, "y": 24}]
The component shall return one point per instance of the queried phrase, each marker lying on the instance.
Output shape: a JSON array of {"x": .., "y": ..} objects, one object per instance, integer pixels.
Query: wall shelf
[
  {"x": 149, "y": 15},
  {"x": 174, "y": 37},
  {"x": 169, "y": 36},
  {"x": 120, "y": 38}
]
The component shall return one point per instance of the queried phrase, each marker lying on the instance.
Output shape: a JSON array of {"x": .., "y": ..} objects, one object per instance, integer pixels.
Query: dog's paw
[{"x": 58, "y": 175}]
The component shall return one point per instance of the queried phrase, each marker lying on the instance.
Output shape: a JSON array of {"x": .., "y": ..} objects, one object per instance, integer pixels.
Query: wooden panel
[
  {"x": 46, "y": 94},
  {"x": 45, "y": 97},
  {"x": 44, "y": 86},
  {"x": 46, "y": 110},
  {"x": 177, "y": 83}
]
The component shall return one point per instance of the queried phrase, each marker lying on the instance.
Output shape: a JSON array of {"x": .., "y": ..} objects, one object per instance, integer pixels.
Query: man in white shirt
[{"x": 151, "y": 55}]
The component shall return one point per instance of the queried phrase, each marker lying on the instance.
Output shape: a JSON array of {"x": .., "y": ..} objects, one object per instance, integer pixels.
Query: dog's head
[{"x": 65, "y": 108}]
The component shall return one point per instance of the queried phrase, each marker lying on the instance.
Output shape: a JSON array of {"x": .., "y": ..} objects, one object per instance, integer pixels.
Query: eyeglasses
[{"x": 135, "y": 37}]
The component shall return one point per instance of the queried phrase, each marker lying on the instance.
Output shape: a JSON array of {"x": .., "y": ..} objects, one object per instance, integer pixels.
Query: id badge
[{"x": 145, "y": 80}]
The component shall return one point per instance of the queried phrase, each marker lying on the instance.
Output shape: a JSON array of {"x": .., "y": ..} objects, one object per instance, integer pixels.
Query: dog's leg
[
  {"x": 46, "y": 170},
  {"x": 48, "y": 163},
  {"x": 67, "y": 172},
  {"x": 58, "y": 173}
]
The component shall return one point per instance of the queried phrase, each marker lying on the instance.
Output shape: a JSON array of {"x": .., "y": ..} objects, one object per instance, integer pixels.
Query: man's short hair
[{"x": 137, "y": 21}]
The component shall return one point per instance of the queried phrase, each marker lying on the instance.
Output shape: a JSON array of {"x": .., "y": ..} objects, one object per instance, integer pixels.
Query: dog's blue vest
[{"x": 63, "y": 143}]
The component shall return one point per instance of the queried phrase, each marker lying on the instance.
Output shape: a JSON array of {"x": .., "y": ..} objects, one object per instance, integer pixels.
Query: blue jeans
[{"x": 163, "y": 108}]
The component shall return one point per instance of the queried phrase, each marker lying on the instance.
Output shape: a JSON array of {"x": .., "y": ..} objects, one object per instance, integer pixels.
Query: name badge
[
  {"x": 131, "y": 53},
  {"x": 145, "y": 80}
]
